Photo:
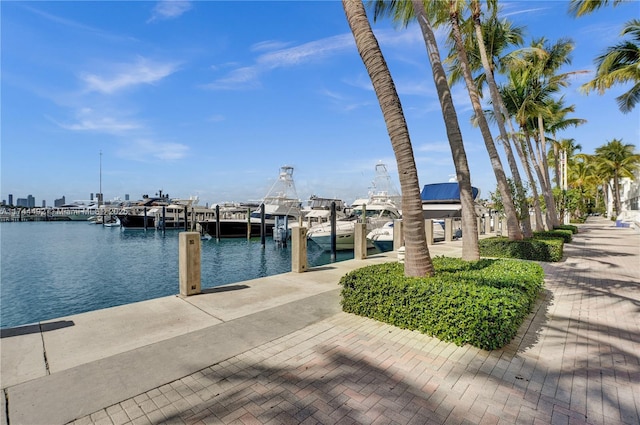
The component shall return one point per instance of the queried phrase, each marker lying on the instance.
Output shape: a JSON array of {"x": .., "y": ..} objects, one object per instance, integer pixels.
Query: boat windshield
[{"x": 376, "y": 213}]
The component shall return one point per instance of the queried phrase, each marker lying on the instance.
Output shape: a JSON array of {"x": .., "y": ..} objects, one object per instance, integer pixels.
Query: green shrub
[
  {"x": 542, "y": 249},
  {"x": 566, "y": 235},
  {"x": 572, "y": 228},
  {"x": 480, "y": 303}
]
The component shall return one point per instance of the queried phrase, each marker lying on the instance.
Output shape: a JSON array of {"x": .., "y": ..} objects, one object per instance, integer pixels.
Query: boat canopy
[{"x": 443, "y": 193}]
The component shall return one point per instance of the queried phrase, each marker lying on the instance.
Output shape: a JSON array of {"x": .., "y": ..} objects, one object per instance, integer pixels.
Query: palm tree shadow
[{"x": 321, "y": 391}]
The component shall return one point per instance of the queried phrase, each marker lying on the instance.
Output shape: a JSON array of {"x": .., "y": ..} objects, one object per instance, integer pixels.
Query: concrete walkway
[{"x": 278, "y": 350}]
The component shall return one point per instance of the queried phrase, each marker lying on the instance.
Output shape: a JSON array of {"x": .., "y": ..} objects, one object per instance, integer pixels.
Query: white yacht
[
  {"x": 381, "y": 206},
  {"x": 375, "y": 215}
]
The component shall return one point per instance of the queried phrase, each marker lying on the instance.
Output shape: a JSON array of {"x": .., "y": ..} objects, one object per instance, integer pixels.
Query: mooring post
[
  {"x": 360, "y": 241},
  {"x": 299, "y": 249},
  {"x": 217, "y": 222},
  {"x": 248, "y": 223},
  {"x": 186, "y": 217},
  {"x": 333, "y": 231},
  {"x": 189, "y": 261},
  {"x": 263, "y": 227},
  {"x": 398, "y": 234},
  {"x": 145, "y": 218}
]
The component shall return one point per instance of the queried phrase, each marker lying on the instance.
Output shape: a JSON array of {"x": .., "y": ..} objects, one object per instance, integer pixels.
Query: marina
[{"x": 57, "y": 269}]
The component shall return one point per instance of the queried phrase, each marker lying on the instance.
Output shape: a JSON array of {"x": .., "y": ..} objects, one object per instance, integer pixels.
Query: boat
[
  {"x": 280, "y": 207},
  {"x": 138, "y": 217},
  {"x": 375, "y": 215},
  {"x": 439, "y": 201},
  {"x": 380, "y": 207},
  {"x": 113, "y": 222},
  {"x": 181, "y": 214},
  {"x": 318, "y": 210},
  {"x": 235, "y": 221},
  {"x": 442, "y": 200},
  {"x": 382, "y": 238}
]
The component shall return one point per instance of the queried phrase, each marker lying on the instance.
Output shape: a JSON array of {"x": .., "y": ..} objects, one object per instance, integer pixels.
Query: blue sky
[{"x": 210, "y": 98}]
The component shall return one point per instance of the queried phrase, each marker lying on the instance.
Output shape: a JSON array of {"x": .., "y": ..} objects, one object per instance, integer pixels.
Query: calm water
[{"x": 51, "y": 270}]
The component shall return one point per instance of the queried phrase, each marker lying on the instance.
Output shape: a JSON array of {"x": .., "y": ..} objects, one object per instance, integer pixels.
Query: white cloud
[
  {"x": 247, "y": 76},
  {"x": 88, "y": 120},
  {"x": 142, "y": 71},
  {"x": 146, "y": 149},
  {"x": 169, "y": 9},
  {"x": 441, "y": 147}
]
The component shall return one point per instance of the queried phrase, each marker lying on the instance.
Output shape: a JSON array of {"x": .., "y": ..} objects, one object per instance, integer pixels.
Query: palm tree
[
  {"x": 403, "y": 13},
  {"x": 584, "y": 7},
  {"x": 620, "y": 64},
  {"x": 513, "y": 225},
  {"x": 584, "y": 181},
  {"x": 417, "y": 258},
  {"x": 500, "y": 35},
  {"x": 616, "y": 160},
  {"x": 558, "y": 121},
  {"x": 514, "y": 98},
  {"x": 535, "y": 70}
]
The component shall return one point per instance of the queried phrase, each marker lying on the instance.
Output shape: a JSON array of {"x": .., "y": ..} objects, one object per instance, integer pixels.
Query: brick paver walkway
[{"x": 576, "y": 360}]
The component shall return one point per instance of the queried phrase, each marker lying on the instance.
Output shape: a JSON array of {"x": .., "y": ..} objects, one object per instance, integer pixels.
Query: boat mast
[{"x": 100, "y": 194}]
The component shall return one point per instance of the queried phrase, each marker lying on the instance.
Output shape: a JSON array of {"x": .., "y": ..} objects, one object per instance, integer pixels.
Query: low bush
[
  {"x": 571, "y": 227},
  {"x": 566, "y": 235},
  {"x": 540, "y": 248},
  {"x": 482, "y": 303}
]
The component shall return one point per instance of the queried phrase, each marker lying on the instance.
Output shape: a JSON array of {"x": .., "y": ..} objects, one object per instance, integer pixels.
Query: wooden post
[
  {"x": 333, "y": 231},
  {"x": 217, "y": 222},
  {"x": 263, "y": 228},
  {"x": 248, "y": 223},
  {"x": 189, "y": 261},
  {"x": 360, "y": 241},
  {"x": 398, "y": 234},
  {"x": 299, "y": 249}
]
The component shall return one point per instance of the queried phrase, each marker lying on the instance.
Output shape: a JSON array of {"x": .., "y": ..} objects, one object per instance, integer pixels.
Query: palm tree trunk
[
  {"x": 524, "y": 159},
  {"x": 541, "y": 181},
  {"x": 470, "y": 246},
  {"x": 543, "y": 167},
  {"x": 499, "y": 109},
  {"x": 557, "y": 163},
  {"x": 513, "y": 225},
  {"x": 417, "y": 258},
  {"x": 616, "y": 194}
]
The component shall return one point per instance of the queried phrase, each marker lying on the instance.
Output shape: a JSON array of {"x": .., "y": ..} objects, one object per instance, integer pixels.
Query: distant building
[
  {"x": 22, "y": 202},
  {"x": 59, "y": 202},
  {"x": 44, "y": 203},
  {"x": 10, "y": 200},
  {"x": 126, "y": 196}
]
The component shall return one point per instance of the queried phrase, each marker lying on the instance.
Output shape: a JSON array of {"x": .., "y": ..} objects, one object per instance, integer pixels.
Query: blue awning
[{"x": 443, "y": 193}]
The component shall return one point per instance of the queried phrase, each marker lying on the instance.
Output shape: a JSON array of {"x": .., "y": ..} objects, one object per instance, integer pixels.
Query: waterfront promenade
[{"x": 279, "y": 350}]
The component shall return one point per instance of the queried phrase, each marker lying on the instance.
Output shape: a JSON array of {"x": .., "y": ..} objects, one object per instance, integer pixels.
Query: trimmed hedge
[
  {"x": 542, "y": 249},
  {"x": 482, "y": 303},
  {"x": 566, "y": 235},
  {"x": 571, "y": 227}
]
